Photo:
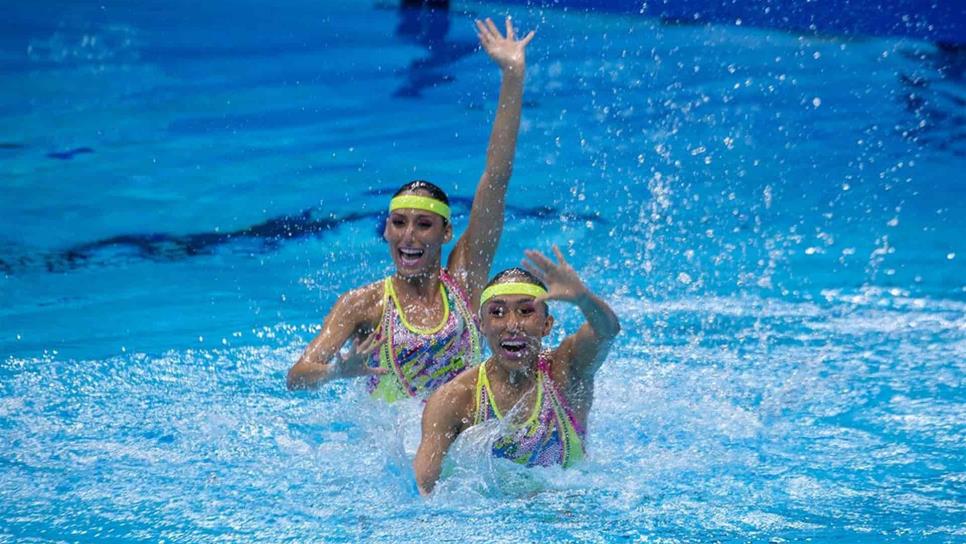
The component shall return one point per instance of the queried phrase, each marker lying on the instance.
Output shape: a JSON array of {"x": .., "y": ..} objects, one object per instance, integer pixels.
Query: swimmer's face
[
  {"x": 416, "y": 239},
  {"x": 514, "y": 326}
]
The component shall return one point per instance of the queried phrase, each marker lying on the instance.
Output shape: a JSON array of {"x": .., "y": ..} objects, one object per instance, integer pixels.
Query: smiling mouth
[
  {"x": 513, "y": 346},
  {"x": 410, "y": 255}
]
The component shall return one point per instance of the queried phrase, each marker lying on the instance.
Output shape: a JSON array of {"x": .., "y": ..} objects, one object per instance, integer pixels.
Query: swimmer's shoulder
[
  {"x": 457, "y": 397},
  {"x": 364, "y": 302}
]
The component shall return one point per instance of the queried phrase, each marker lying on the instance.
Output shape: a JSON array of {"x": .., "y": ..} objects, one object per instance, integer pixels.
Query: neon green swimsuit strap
[
  {"x": 386, "y": 289},
  {"x": 483, "y": 388},
  {"x": 402, "y": 315}
]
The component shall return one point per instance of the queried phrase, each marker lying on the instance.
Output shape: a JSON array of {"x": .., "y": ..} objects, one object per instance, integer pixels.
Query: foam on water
[{"x": 773, "y": 418}]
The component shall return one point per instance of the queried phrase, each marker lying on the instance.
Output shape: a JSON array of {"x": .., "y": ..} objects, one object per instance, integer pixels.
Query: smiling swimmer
[
  {"x": 415, "y": 330},
  {"x": 553, "y": 389}
]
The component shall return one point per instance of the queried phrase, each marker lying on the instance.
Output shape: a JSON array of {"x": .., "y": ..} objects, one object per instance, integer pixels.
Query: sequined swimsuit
[
  {"x": 550, "y": 436},
  {"x": 421, "y": 360}
]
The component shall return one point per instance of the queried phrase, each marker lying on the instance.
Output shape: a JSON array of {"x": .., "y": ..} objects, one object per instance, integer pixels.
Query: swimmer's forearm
[
  {"x": 474, "y": 252},
  {"x": 426, "y": 477},
  {"x": 599, "y": 315},
  {"x": 506, "y": 125},
  {"x": 308, "y": 375}
]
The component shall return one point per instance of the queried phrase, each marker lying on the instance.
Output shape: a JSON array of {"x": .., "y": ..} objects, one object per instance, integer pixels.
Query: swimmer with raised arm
[
  {"x": 415, "y": 330},
  {"x": 546, "y": 395}
]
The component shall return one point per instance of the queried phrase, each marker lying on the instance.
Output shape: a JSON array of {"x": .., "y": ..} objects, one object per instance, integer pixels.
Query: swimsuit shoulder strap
[
  {"x": 454, "y": 286},
  {"x": 387, "y": 293},
  {"x": 462, "y": 305},
  {"x": 483, "y": 388},
  {"x": 390, "y": 293},
  {"x": 572, "y": 431}
]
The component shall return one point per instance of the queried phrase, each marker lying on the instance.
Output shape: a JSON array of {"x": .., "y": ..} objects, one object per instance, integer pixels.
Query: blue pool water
[{"x": 777, "y": 218}]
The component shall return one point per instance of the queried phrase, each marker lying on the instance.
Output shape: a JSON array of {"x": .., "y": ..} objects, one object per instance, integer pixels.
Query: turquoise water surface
[{"x": 187, "y": 187}]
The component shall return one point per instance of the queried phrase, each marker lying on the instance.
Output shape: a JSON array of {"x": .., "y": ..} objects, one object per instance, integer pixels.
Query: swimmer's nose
[{"x": 408, "y": 234}]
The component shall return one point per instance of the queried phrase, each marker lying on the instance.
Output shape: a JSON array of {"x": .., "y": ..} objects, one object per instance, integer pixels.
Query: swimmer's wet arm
[
  {"x": 592, "y": 341},
  {"x": 587, "y": 347},
  {"x": 471, "y": 259},
  {"x": 445, "y": 416},
  {"x": 316, "y": 365}
]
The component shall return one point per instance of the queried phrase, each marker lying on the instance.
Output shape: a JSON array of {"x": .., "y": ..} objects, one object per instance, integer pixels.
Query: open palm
[
  {"x": 506, "y": 51},
  {"x": 561, "y": 279}
]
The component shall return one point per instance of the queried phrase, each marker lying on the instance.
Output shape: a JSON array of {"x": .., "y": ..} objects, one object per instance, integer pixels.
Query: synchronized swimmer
[
  {"x": 557, "y": 383},
  {"x": 415, "y": 330}
]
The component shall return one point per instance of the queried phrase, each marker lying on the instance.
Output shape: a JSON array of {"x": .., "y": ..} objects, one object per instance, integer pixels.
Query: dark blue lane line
[
  {"x": 69, "y": 153},
  {"x": 261, "y": 238}
]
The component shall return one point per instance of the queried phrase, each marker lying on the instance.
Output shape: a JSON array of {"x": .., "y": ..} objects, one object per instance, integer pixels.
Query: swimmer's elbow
[
  {"x": 295, "y": 379},
  {"x": 617, "y": 328},
  {"x": 425, "y": 481},
  {"x": 293, "y": 382},
  {"x": 612, "y": 330}
]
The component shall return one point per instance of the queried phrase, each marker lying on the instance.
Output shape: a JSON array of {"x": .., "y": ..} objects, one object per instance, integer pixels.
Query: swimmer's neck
[
  {"x": 424, "y": 285},
  {"x": 512, "y": 374}
]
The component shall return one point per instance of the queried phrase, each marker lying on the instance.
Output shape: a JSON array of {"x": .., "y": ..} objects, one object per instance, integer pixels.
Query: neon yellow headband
[
  {"x": 512, "y": 288},
  {"x": 420, "y": 203}
]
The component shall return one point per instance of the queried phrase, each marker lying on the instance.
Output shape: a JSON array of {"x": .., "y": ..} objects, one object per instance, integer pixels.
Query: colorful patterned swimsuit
[
  {"x": 550, "y": 436},
  {"x": 421, "y": 360}
]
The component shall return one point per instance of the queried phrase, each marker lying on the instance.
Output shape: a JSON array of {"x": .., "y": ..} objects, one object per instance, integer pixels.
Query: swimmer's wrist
[
  {"x": 513, "y": 71},
  {"x": 584, "y": 297}
]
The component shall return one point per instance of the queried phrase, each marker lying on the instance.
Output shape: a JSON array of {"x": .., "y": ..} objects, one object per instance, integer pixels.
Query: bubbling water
[{"x": 739, "y": 416}]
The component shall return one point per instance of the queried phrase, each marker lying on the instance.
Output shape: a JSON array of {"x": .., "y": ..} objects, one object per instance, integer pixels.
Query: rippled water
[{"x": 776, "y": 219}]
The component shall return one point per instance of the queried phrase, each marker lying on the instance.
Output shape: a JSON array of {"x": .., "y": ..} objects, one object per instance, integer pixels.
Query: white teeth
[
  {"x": 514, "y": 344},
  {"x": 411, "y": 252}
]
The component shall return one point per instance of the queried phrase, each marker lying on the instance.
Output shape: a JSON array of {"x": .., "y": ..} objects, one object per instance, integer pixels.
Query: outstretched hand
[
  {"x": 355, "y": 362},
  {"x": 561, "y": 279},
  {"x": 506, "y": 51}
]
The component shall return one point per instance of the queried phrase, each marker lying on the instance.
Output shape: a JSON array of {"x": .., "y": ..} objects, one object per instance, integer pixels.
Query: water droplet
[
  {"x": 950, "y": 256},
  {"x": 816, "y": 102}
]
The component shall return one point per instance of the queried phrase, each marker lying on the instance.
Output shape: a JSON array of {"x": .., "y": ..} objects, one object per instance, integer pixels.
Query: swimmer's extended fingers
[
  {"x": 538, "y": 263},
  {"x": 561, "y": 279},
  {"x": 526, "y": 39},
  {"x": 484, "y": 32},
  {"x": 359, "y": 355},
  {"x": 368, "y": 347},
  {"x": 507, "y": 51},
  {"x": 494, "y": 31},
  {"x": 560, "y": 257}
]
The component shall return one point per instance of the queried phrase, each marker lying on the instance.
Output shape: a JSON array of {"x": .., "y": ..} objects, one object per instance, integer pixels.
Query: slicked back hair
[
  {"x": 417, "y": 184},
  {"x": 519, "y": 273}
]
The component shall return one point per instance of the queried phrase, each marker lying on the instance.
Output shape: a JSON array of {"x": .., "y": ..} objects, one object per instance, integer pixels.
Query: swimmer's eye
[
  {"x": 397, "y": 222},
  {"x": 526, "y": 310},
  {"x": 496, "y": 311},
  {"x": 425, "y": 224}
]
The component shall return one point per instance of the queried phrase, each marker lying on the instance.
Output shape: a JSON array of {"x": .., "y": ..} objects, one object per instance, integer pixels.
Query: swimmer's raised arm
[
  {"x": 446, "y": 415},
  {"x": 471, "y": 258},
  {"x": 587, "y": 347},
  {"x": 349, "y": 317}
]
